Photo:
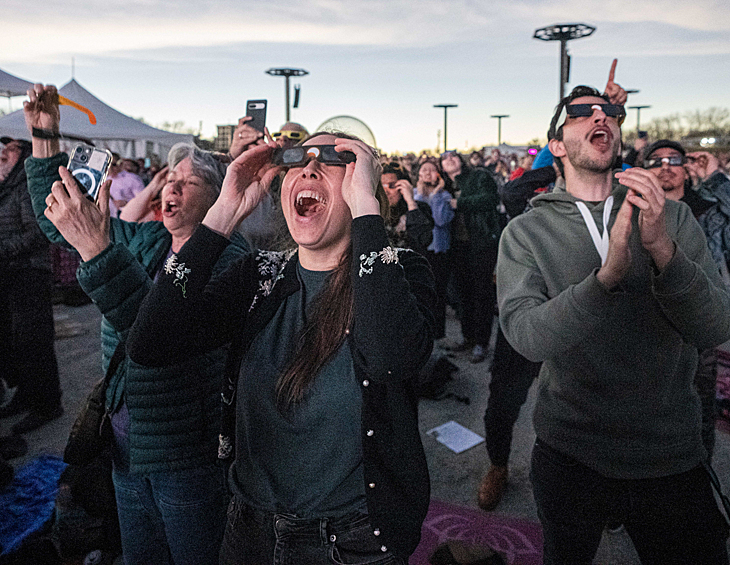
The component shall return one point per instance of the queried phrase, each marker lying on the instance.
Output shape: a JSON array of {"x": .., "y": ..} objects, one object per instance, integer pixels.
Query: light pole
[
  {"x": 563, "y": 33},
  {"x": 286, "y": 73},
  {"x": 638, "y": 115},
  {"x": 499, "y": 126},
  {"x": 445, "y": 107}
]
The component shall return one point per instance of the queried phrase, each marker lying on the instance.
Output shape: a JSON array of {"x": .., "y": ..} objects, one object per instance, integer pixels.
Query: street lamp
[
  {"x": 286, "y": 73},
  {"x": 638, "y": 115},
  {"x": 445, "y": 107},
  {"x": 499, "y": 126},
  {"x": 564, "y": 33}
]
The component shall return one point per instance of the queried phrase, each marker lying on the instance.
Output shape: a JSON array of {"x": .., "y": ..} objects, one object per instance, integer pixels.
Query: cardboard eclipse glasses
[
  {"x": 299, "y": 156},
  {"x": 586, "y": 110}
]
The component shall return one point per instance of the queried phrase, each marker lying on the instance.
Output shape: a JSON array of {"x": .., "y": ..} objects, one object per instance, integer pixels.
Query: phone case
[
  {"x": 257, "y": 110},
  {"x": 89, "y": 166}
]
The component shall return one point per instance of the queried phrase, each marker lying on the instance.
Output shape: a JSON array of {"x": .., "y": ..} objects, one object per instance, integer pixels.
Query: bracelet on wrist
[{"x": 45, "y": 133}]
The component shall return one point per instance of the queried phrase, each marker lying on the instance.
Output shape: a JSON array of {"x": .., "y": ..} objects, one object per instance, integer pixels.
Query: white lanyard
[{"x": 601, "y": 242}]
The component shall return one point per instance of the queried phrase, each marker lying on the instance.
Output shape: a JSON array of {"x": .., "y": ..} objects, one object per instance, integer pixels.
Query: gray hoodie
[{"x": 615, "y": 389}]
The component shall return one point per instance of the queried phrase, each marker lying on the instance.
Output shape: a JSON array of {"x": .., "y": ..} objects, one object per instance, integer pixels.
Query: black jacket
[{"x": 391, "y": 339}]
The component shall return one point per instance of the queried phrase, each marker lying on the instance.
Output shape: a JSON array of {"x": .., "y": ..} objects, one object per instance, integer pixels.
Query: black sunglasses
[
  {"x": 302, "y": 154},
  {"x": 673, "y": 161},
  {"x": 586, "y": 110}
]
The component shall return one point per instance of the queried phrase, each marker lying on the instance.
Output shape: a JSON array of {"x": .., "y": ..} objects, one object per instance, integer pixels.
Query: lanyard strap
[{"x": 600, "y": 241}]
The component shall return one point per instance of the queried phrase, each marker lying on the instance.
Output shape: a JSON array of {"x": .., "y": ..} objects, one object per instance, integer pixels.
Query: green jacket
[
  {"x": 477, "y": 204},
  {"x": 615, "y": 390},
  {"x": 174, "y": 410}
]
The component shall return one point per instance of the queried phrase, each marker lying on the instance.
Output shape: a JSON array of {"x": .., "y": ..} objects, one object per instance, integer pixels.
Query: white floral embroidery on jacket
[
  {"x": 387, "y": 255},
  {"x": 172, "y": 267}
]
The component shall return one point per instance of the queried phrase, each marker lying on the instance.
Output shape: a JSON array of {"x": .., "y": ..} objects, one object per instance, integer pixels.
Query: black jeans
[
  {"x": 473, "y": 268},
  {"x": 671, "y": 520},
  {"x": 512, "y": 376},
  {"x": 27, "y": 356},
  {"x": 255, "y": 537}
]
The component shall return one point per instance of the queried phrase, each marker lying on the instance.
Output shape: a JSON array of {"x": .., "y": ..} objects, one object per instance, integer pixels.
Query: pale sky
[{"x": 386, "y": 62}]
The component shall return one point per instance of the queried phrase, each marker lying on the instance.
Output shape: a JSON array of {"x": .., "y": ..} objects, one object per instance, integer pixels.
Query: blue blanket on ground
[{"x": 28, "y": 502}]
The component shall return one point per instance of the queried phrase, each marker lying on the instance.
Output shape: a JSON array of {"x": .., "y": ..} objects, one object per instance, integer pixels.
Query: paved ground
[{"x": 454, "y": 477}]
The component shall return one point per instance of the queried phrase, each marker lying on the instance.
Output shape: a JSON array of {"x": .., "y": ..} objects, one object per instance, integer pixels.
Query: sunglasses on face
[
  {"x": 301, "y": 155},
  {"x": 586, "y": 110},
  {"x": 673, "y": 161},
  {"x": 294, "y": 135}
]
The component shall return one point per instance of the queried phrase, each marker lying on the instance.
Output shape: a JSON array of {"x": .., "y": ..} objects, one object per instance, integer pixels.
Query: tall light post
[
  {"x": 638, "y": 115},
  {"x": 445, "y": 107},
  {"x": 563, "y": 33},
  {"x": 499, "y": 126},
  {"x": 286, "y": 73}
]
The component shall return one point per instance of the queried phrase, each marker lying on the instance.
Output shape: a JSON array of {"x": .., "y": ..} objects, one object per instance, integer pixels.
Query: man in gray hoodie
[{"x": 616, "y": 320}]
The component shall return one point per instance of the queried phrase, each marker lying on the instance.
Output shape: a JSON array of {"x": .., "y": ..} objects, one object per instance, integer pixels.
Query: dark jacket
[
  {"x": 391, "y": 339},
  {"x": 22, "y": 244},
  {"x": 419, "y": 226},
  {"x": 183, "y": 397},
  {"x": 477, "y": 204}
]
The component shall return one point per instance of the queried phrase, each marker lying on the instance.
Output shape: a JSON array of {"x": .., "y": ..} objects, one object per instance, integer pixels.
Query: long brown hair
[{"x": 328, "y": 324}]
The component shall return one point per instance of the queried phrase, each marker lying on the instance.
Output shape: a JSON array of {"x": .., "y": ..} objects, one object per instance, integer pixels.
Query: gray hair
[{"x": 205, "y": 166}]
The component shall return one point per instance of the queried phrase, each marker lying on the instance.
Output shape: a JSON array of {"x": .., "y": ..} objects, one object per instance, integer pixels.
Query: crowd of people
[{"x": 274, "y": 306}]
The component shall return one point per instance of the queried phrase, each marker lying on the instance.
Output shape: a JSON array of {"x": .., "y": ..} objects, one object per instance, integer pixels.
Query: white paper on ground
[{"x": 455, "y": 436}]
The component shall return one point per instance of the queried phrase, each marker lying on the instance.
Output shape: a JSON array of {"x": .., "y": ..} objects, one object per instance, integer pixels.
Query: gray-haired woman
[{"x": 171, "y": 496}]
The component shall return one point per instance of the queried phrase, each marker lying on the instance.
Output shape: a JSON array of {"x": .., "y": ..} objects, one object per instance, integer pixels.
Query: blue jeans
[
  {"x": 671, "y": 520},
  {"x": 171, "y": 517},
  {"x": 255, "y": 537}
]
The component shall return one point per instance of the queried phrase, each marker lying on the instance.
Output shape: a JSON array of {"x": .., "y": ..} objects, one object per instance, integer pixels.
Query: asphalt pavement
[{"x": 454, "y": 477}]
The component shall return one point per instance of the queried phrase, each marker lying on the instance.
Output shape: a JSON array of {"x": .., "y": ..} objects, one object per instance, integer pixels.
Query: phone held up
[
  {"x": 89, "y": 166},
  {"x": 257, "y": 110}
]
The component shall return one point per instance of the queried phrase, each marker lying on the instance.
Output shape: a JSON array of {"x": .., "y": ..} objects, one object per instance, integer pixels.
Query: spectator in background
[
  {"x": 476, "y": 160},
  {"x": 474, "y": 240},
  {"x": 27, "y": 356},
  {"x": 431, "y": 189},
  {"x": 525, "y": 165},
  {"x": 125, "y": 185},
  {"x": 710, "y": 204},
  {"x": 409, "y": 223}
]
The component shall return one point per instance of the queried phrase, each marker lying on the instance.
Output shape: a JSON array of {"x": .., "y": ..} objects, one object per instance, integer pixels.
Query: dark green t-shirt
[{"x": 309, "y": 461}]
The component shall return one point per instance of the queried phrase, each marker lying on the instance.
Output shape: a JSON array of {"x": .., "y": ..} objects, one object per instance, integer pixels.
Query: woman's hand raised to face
[
  {"x": 361, "y": 178},
  {"x": 83, "y": 224},
  {"x": 246, "y": 183}
]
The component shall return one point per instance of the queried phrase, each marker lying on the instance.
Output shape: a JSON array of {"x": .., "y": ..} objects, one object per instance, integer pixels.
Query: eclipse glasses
[
  {"x": 299, "y": 156},
  {"x": 586, "y": 110},
  {"x": 673, "y": 161},
  {"x": 293, "y": 135}
]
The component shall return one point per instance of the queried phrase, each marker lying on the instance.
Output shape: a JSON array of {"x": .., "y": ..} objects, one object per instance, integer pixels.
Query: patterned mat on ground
[
  {"x": 520, "y": 541},
  {"x": 27, "y": 503},
  {"x": 723, "y": 391}
]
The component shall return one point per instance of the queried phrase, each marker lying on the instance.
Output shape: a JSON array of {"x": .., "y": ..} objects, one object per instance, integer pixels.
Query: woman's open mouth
[{"x": 308, "y": 203}]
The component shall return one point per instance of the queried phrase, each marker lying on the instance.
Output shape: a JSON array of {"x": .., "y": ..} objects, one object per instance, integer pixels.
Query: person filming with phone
[
  {"x": 171, "y": 496},
  {"x": 320, "y": 413}
]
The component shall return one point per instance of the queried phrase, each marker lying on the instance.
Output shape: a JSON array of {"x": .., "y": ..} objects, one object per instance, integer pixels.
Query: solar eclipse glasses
[
  {"x": 586, "y": 110},
  {"x": 673, "y": 161},
  {"x": 293, "y": 135},
  {"x": 299, "y": 156}
]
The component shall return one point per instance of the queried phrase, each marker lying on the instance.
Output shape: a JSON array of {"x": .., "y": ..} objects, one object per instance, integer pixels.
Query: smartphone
[
  {"x": 257, "y": 110},
  {"x": 89, "y": 166}
]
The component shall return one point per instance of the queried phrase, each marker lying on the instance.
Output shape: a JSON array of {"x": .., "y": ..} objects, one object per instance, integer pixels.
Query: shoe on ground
[
  {"x": 12, "y": 447},
  {"x": 478, "y": 354},
  {"x": 36, "y": 419},
  {"x": 13, "y": 408},
  {"x": 492, "y": 488}
]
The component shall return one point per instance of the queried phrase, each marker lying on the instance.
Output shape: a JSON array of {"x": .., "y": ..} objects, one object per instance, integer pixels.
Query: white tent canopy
[
  {"x": 113, "y": 130},
  {"x": 10, "y": 85}
]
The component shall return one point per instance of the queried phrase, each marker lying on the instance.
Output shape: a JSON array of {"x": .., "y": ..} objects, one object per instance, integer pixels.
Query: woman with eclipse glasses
[{"x": 319, "y": 412}]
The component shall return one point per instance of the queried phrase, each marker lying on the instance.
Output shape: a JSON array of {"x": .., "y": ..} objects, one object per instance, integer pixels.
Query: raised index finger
[{"x": 612, "y": 72}]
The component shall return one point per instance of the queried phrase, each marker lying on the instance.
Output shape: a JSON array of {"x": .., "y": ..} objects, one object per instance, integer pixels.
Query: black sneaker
[
  {"x": 12, "y": 447},
  {"x": 35, "y": 420}
]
